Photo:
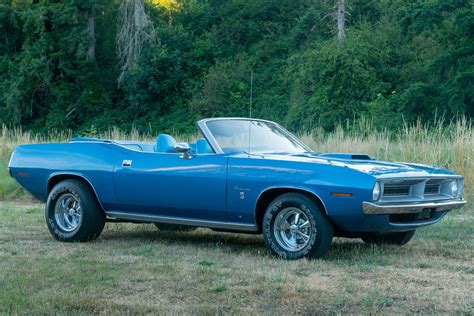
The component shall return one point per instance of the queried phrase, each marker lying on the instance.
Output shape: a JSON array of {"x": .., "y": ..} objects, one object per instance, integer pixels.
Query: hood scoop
[{"x": 347, "y": 156}]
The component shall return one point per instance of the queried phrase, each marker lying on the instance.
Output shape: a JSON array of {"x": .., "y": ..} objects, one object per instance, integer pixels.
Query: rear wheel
[
  {"x": 295, "y": 227},
  {"x": 73, "y": 213},
  {"x": 174, "y": 228},
  {"x": 400, "y": 238}
]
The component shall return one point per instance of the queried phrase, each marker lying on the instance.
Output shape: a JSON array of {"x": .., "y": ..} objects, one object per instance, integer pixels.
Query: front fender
[{"x": 250, "y": 177}]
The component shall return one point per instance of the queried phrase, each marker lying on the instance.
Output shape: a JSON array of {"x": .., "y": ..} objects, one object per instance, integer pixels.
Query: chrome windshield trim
[
  {"x": 202, "y": 125},
  {"x": 399, "y": 208},
  {"x": 183, "y": 221}
]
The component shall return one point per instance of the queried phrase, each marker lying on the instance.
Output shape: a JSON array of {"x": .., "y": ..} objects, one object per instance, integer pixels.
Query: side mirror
[{"x": 183, "y": 148}]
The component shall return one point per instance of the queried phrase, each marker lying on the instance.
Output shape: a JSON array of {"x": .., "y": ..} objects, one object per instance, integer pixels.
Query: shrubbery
[{"x": 402, "y": 61}]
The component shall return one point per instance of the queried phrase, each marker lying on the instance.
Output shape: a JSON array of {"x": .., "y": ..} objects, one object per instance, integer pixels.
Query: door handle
[{"x": 126, "y": 163}]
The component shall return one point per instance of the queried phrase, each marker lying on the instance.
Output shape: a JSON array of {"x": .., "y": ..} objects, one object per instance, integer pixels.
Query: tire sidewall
[
  {"x": 310, "y": 210},
  {"x": 60, "y": 189}
]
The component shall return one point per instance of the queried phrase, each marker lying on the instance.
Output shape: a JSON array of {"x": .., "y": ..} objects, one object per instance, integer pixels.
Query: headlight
[
  {"x": 454, "y": 188},
  {"x": 376, "y": 192}
]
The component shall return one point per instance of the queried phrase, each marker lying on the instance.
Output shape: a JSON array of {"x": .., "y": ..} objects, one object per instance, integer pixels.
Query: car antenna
[{"x": 250, "y": 105}]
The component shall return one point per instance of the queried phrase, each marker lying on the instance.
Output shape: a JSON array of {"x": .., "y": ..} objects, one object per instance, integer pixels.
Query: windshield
[{"x": 253, "y": 136}]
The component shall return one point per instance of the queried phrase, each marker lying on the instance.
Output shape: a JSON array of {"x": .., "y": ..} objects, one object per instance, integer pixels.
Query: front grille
[
  {"x": 415, "y": 189},
  {"x": 431, "y": 189},
  {"x": 432, "y": 186},
  {"x": 399, "y": 187},
  {"x": 396, "y": 190}
]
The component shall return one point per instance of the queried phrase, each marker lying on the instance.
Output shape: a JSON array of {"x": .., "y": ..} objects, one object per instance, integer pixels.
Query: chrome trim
[
  {"x": 374, "y": 209},
  {"x": 10, "y": 163},
  {"x": 208, "y": 136},
  {"x": 384, "y": 177},
  {"x": 183, "y": 221},
  {"x": 292, "y": 229},
  {"x": 181, "y": 147},
  {"x": 202, "y": 125},
  {"x": 184, "y": 149},
  {"x": 68, "y": 212}
]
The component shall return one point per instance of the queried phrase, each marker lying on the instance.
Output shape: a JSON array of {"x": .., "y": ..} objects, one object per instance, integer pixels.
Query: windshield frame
[{"x": 202, "y": 125}]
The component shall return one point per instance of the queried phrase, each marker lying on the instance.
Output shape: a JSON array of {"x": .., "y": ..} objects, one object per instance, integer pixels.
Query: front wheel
[
  {"x": 400, "y": 238},
  {"x": 73, "y": 213},
  {"x": 295, "y": 227}
]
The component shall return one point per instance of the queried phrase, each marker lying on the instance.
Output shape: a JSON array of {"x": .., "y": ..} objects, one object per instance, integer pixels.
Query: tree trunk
[
  {"x": 341, "y": 10},
  {"x": 91, "y": 31},
  {"x": 135, "y": 30}
]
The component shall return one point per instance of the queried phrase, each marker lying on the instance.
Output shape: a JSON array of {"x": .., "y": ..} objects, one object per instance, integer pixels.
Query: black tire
[
  {"x": 317, "y": 226},
  {"x": 174, "y": 228},
  {"x": 92, "y": 217},
  {"x": 400, "y": 238}
]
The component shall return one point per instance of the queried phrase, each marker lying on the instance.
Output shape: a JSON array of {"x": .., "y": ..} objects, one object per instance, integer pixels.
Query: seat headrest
[
  {"x": 165, "y": 144},
  {"x": 202, "y": 147}
]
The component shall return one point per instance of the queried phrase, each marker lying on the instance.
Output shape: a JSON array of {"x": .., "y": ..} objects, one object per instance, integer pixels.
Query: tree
[
  {"x": 341, "y": 11},
  {"x": 403, "y": 60},
  {"x": 136, "y": 29},
  {"x": 91, "y": 31}
]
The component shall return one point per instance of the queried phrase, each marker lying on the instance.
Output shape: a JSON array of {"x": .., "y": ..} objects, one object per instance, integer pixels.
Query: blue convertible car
[{"x": 244, "y": 175}]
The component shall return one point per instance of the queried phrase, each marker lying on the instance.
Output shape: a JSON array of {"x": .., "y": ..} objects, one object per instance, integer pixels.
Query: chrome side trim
[
  {"x": 183, "y": 221},
  {"x": 387, "y": 209}
]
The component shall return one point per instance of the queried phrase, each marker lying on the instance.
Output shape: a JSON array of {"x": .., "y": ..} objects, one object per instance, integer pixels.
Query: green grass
[{"x": 138, "y": 269}]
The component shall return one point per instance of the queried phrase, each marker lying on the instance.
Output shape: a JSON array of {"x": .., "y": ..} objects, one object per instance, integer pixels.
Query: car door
[{"x": 168, "y": 185}]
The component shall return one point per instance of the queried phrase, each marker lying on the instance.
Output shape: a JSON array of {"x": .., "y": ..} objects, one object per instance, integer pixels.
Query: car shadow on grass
[
  {"x": 343, "y": 249},
  {"x": 355, "y": 251},
  {"x": 201, "y": 237}
]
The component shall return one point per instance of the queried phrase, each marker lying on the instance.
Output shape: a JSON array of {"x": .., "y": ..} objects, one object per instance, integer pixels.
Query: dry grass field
[{"x": 136, "y": 269}]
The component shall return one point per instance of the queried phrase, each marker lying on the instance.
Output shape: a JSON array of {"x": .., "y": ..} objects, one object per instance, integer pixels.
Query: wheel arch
[
  {"x": 58, "y": 177},
  {"x": 269, "y": 194}
]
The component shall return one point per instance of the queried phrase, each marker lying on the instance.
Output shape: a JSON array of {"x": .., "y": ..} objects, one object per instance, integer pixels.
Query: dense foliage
[{"x": 402, "y": 60}]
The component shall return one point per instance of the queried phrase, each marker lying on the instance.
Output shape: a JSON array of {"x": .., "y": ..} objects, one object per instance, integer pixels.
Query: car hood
[{"x": 365, "y": 164}]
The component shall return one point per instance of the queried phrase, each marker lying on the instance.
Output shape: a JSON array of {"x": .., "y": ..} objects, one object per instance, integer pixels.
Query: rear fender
[{"x": 57, "y": 177}]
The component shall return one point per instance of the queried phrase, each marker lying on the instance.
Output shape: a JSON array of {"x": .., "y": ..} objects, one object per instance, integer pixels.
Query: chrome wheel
[
  {"x": 292, "y": 229},
  {"x": 67, "y": 212}
]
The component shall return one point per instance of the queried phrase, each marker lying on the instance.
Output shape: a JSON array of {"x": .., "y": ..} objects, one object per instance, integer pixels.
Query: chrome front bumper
[{"x": 387, "y": 209}]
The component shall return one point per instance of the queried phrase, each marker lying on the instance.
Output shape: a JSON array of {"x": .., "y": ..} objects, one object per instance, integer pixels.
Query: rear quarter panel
[{"x": 33, "y": 165}]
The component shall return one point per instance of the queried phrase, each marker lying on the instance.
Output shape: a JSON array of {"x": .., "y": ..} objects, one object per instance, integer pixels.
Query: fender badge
[{"x": 237, "y": 188}]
